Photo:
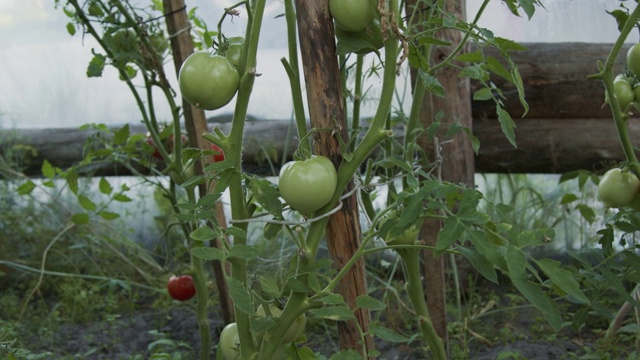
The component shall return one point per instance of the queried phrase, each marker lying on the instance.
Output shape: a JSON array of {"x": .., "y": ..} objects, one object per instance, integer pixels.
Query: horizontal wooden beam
[{"x": 567, "y": 127}]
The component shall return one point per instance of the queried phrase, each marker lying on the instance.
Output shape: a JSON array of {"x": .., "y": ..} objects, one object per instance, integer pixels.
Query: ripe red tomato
[
  {"x": 218, "y": 156},
  {"x": 308, "y": 185},
  {"x": 618, "y": 188},
  {"x": 208, "y": 81},
  {"x": 181, "y": 287},
  {"x": 352, "y": 15}
]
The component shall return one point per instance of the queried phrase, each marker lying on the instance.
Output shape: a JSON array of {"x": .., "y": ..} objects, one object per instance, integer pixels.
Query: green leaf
[
  {"x": 86, "y": 203},
  {"x": 244, "y": 252},
  {"x": 203, "y": 233},
  {"x": 207, "y": 253},
  {"x": 431, "y": 83},
  {"x": 449, "y": 234},
  {"x": 240, "y": 296},
  {"x": 562, "y": 278},
  {"x": 387, "y": 334},
  {"x": 120, "y": 197},
  {"x": 370, "y": 303},
  {"x": 587, "y": 213},
  {"x": 26, "y": 188},
  {"x": 121, "y": 135},
  {"x": 108, "y": 215},
  {"x": 516, "y": 262},
  {"x": 96, "y": 66},
  {"x": 337, "y": 313},
  {"x": 314, "y": 283},
  {"x": 72, "y": 180},
  {"x": 483, "y": 94},
  {"x": 333, "y": 299},
  {"x": 480, "y": 263},
  {"x": 346, "y": 355},
  {"x": 271, "y": 230},
  {"x": 71, "y": 29},
  {"x": 104, "y": 186},
  {"x": 267, "y": 195},
  {"x": 475, "y": 142},
  {"x": 48, "y": 170},
  {"x": 568, "y": 198},
  {"x": 262, "y": 324},
  {"x": 80, "y": 218},
  {"x": 236, "y": 232},
  {"x": 507, "y": 125},
  {"x": 472, "y": 57},
  {"x": 269, "y": 285}
]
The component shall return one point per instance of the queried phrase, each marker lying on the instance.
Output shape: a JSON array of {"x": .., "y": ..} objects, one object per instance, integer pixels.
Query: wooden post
[
  {"x": 196, "y": 125},
  {"x": 324, "y": 94}
]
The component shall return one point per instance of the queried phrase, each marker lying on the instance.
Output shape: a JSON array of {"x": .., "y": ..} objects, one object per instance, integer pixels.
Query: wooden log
[
  {"x": 566, "y": 129},
  {"x": 544, "y": 146}
]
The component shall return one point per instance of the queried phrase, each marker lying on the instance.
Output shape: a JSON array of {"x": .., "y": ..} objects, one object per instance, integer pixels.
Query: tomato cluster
[
  {"x": 627, "y": 86},
  {"x": 357, "y": 24}
]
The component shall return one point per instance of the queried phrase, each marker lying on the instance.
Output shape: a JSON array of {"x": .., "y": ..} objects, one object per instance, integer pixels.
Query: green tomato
[
  {"x": 123, "y": 41},
  {"x": 208, "y": 81},
  {"x": 308, "y": 185},
  {"x": 229, "y": 344},
  {"x": 352, "y": 15},
  {"x": 618, "y": 188},
  {"x": 234, "y": 51},
  {"x": 633, "y": 59},
  {"x": 294, "y": 332},
  {"x": 624, "y": 92},
  {"x": 361, "y": 42},
  {"x": 408, "y": 237}
]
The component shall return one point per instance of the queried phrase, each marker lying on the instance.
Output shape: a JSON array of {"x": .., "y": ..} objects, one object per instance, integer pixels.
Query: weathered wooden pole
[
  {"x": 196, "y": 125},
  {"x": 325, "y": 100}
]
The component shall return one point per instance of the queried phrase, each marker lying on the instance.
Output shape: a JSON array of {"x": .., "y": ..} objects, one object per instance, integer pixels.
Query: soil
[{"x": 130, "y": 335}]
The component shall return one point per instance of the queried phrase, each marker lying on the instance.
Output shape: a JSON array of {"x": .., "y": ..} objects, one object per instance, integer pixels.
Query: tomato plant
[
  {"x": 633, "y": 59},
  {"x": 308, "y": 185},
  {"x": 294, "y": 332},
  {"x": 208, "y": 81},
  {"x": 352, "y": 15},
  {"x": 618, "y": 188},
  {"x": 181, "y": 287},
  {"x": 229, "y": 344}
]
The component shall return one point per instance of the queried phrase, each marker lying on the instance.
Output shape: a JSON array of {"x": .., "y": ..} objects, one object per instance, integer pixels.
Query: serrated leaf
[
  {"x": 121, "y": 135},
  {"x": 86, "y": 203},
  {"x": 314, "y": 283},
  {"x": 207, "y": 253},
  {"x": 80, "y": 218},
  {"x": 96, "y": 66},
  {"x": 48, "y": 170},
  {"x": 493, "y": 65},
  {"x": 562, "y": 278},
  {"x": 26, "y": 188},
  {"x": 337, "y": 313},
  {"x": 240, "y": 296},
  {"x": 267, "y": 195},
  {"x": 431, "y": 83},
  {"x": 203, "y": 233},
  {"x": 104, "y": 186},
  {"x": 236, "y": 232},
  {"x": 297, "y": 286},
  {"x": 333, "y": 299},
  {"x": 370, "y": 303}
]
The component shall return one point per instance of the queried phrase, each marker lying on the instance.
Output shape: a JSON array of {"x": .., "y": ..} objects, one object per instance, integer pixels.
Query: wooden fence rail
[{"x": 567, "y": 127}]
